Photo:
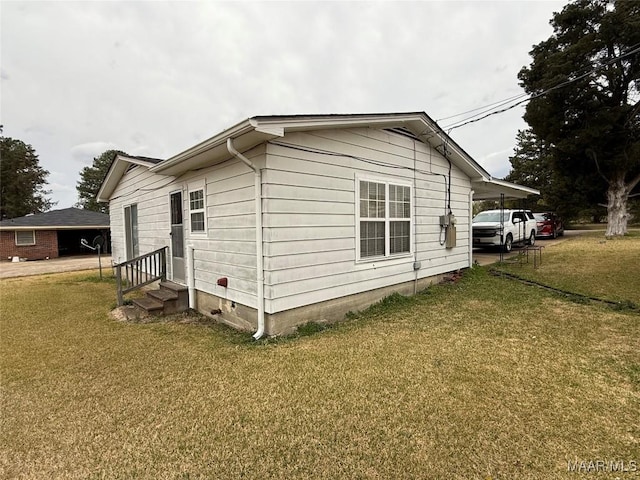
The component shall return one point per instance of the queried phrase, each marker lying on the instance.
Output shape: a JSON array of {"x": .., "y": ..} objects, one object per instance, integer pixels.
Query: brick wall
[{"x": 46, "y": 246}]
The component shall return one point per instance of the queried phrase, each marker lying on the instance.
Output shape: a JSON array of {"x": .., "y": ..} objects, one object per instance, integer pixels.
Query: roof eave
[
  {"x": 203, "y": 152},
  {"x": 253, "y": 131},
  {"x": 315, "y": 122},
  {"x": 116, "y": 170},
  {"x": 492, "y": 189}
]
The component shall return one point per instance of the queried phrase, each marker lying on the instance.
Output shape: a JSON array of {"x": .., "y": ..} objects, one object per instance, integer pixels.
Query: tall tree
[
  {"x": 91, "y": 179},
  {"x": 22, "y": 180},
  {"x": 532, "y": 166},
  {"x": 584, "y": 83}
]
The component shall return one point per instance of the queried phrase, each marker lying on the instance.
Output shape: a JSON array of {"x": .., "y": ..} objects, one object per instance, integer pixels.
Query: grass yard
[
  {"x": 591, "y": 265},
  {"x": 485, "y": 378}
]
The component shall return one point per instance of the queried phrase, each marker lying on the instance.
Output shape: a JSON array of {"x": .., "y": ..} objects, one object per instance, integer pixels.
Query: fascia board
[
  {"x": 117, "y": 169},
  {"x": 312, "y": 122},
  {"x": 514, "y": 186},
  {"x": 485, "y": 189}
]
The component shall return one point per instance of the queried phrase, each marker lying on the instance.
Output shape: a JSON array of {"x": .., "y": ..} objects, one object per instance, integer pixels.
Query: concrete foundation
[{"x": 283, "y": 323}]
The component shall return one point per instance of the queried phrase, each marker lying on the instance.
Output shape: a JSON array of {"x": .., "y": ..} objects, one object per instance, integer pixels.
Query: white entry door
[{"x": 177, "y": 237}]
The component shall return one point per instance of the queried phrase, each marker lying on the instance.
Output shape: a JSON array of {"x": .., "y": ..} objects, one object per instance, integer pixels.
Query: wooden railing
[{"x": 140, "y": 271}]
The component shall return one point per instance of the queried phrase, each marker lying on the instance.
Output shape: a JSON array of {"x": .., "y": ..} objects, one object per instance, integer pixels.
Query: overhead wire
[
  {"x": 489, "y": 106},
  {"x": 354, "y": 157},
  {"x": 487, "y": 112}
]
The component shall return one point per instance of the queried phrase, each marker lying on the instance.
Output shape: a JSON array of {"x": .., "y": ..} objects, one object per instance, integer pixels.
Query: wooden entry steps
[{"x": 169, "y": 298}]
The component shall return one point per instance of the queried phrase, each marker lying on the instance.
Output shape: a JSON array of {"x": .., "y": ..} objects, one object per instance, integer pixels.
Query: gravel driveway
[{"x": 54, "y": 265}]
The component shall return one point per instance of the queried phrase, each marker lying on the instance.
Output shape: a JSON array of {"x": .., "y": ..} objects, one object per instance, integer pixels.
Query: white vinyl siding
[
  {"x": 151, "y": 195},
  {"x": 312, "y": 215},
  {"x": 25, "y": 237},
  {"x": 228, "y": 248}
]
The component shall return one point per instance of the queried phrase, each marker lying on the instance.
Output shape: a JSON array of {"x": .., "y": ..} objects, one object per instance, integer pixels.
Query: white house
[{"x": 282, "y": 220}]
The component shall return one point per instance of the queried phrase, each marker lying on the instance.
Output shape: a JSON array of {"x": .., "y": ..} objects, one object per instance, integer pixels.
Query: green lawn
[
  {"x": 591, "y": 265},
  {"x": 486, "y": 378}
]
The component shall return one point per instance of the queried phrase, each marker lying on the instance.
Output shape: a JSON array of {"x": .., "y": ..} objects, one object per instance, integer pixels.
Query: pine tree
[
  {"x": 22, "y": 180},
  {"x": 91, "y": 179}
]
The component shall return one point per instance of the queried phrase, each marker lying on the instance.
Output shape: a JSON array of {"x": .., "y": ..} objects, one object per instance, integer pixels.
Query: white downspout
[
  {"x": 259, "y": 253},
  {"x": 191, "y": 279}
]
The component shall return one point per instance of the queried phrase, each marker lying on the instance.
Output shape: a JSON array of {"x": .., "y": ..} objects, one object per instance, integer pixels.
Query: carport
[{"x": 499, "y": 191}]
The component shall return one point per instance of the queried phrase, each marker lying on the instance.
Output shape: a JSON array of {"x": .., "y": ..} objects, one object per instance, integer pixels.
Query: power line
[
  {"x": 488, "y": 112},
  {"x": 493, "y": 105}
]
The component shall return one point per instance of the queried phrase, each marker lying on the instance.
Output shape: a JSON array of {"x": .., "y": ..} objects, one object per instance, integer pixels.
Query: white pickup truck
[{"x": 504, "y": 228}]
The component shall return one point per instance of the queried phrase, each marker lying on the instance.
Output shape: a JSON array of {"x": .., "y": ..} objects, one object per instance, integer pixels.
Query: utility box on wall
[{"x": 450, "y": 236}]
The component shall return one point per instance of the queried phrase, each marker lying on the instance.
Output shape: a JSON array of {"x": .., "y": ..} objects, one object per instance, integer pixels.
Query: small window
[
  {"x": 132, "y": 245},
  {"x": 384, "y": 219},
  {"x": 196, "y": 211},
  {"x": 25, "y": 237}
]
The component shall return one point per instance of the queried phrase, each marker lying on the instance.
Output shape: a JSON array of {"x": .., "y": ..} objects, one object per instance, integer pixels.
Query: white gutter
[
  {"x": 259, "y": 253},
  {"x": 235, "y": 131}
]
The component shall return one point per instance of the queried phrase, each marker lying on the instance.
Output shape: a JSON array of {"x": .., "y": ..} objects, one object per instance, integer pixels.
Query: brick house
[{"x": 53, "y": 234}]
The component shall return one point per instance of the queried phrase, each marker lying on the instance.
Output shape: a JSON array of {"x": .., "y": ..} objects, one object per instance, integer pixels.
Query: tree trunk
[{"x": 617, "y": 214}]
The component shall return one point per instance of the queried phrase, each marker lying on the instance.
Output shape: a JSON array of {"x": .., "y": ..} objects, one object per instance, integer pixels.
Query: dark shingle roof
[{"x": 66, "y": 217}]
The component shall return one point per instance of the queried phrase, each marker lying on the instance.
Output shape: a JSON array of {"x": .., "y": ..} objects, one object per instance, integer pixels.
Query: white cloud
[
  {"x": 154, "y": 78},
  {"x": 86, "y": 152}
]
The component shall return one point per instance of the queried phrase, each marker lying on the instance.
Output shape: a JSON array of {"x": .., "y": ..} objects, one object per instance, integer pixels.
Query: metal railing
[{"x": 140, "y": 271}]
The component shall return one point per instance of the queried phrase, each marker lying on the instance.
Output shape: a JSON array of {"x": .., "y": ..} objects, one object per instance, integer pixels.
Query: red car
[{"x": 549, "y": 225}]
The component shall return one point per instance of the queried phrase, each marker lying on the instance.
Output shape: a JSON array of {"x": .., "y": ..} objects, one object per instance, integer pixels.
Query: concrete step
[
  {"x": 181, "y": 302},
  {"x": 174, "y": 287},
  {"x": 163, "y": 295},
  {"x": 150, "y": 305}
]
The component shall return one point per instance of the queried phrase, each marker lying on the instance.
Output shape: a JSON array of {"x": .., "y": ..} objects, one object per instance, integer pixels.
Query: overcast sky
[{"x": 154, "y": 78}]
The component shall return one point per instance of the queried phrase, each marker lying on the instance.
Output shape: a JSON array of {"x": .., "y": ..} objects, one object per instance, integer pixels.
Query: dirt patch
[{"x": 129, "y": 313}]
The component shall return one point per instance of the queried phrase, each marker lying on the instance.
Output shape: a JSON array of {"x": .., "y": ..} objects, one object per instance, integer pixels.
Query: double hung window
[
  {"x": 384, "y": 219},
  {"x": 197, "y": 211}
]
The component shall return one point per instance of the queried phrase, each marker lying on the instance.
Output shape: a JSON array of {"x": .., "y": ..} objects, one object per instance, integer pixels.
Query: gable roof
[
  {"x": 256, "y": 130},
  {"x": 118, "y": 168},
  {"x": 64, "y": 219}
]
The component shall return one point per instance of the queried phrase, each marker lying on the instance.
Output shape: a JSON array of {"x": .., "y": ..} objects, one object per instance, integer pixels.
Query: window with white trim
[
  {"x": 197, "y": 216},
  {"x": 384, "y": 219},
  {"x": 131, "y": 241},
  {"x": 25, "y": 237}
]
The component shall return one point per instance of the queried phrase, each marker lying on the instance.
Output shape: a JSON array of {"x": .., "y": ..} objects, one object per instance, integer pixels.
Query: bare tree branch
[
  {"x": 632, "y": 184},
  {"x": 593, "y": 155}
]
